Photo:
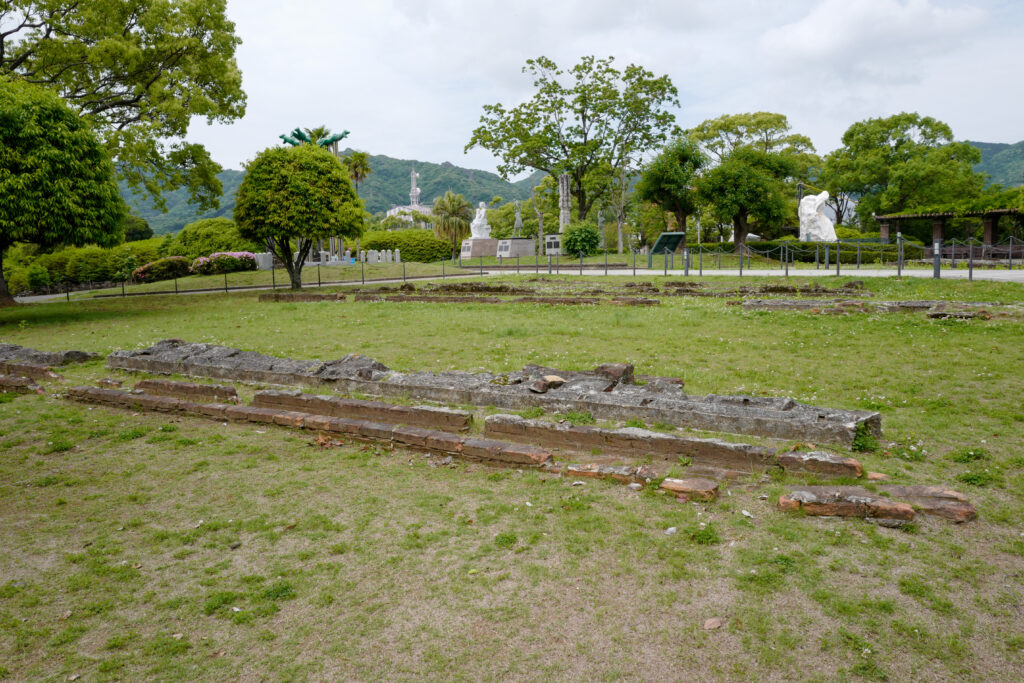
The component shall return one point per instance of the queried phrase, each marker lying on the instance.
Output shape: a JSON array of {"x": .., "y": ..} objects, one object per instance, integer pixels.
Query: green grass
[{"x": 160, "y": 547}]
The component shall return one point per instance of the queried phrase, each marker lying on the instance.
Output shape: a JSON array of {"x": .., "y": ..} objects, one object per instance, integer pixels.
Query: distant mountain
[
  {"x": 1003, "y": 163},
  {"x": 385, "y": 187}
]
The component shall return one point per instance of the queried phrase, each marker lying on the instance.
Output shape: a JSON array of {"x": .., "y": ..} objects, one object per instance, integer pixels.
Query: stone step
[
  {"x": 13, "y": 384},
  {"x": 336, "y": 406},
  {"x": 899, "y": 504},
  {"x": 188, "y": 390}
]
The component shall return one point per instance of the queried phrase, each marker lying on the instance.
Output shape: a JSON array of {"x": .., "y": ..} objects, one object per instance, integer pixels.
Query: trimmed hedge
[
  {"x": 416, "y": 245},
  {"x": 163, "y": 269},
  {"x": 804, "y": 252},
  {"x": 224, "y": 262}
]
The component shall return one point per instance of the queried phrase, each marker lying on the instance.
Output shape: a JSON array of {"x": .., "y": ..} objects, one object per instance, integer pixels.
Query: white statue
[
  {"x": 479, "y": 229},
  {"x": 815, "y": 226}
]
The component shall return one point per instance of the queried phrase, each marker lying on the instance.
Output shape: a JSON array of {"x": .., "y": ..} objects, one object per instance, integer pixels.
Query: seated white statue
[
  {"x": 479, "y": 229},
  {"x": 815, "y": 226}
]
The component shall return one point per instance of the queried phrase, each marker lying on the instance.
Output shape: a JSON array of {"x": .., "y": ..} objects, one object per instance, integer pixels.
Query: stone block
[
  {"x": 214, "y": 410},
  {"x": 845, "y": 501},
  {"x": 524, "y": 454},
  {"x": 289, "y": 418},
  {"x": 692, "y": 489},
  {"x": 35, "y": 371},
  {"x": 322, "y": 422},
  {"x": 411, "y": 436},
  {"x": 11, "y": 384},
  {"x": 191, "y": 390},
  {"x": 620, "y": 372},
  {"x": 343, "y": 425},
  {"x": 485, "y": 449},
  {"x": 376, "y": 430},
  {"x": 820, "y": 462},
  {"x": 935, "y": 500},
  {"x": 444, "y": 441}
]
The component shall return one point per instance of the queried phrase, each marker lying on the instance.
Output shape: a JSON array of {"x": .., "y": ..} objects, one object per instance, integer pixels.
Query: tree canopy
[
  {"x": 901, "y": 162},
  {"x": 585, "y": 122},
  {"x": 137, "y": 71},
  {"x": 670, "y": 180},
  {"x": 291, "y": 195},
  {"x": 56, "y": 180}
]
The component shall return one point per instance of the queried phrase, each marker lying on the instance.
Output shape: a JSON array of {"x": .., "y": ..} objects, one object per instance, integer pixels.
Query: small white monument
[
  {"x": 815, "y": 226},
  {"x": 480, "y": 242}
]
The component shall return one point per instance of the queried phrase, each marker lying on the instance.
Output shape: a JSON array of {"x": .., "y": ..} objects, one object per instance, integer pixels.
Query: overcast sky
[{"x": 409, "y": 78}]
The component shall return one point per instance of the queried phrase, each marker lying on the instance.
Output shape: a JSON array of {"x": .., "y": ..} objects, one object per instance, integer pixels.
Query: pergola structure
[{"x": 989, "y": 221}]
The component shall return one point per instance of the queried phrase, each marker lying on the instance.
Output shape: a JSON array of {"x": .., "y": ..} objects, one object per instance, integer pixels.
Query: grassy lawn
[{"x": 168, "y": 548}]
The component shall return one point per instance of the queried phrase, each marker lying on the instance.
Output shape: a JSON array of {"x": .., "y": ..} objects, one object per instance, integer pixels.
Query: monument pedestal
[
  {"x": 517, "y": 246},
  {"x": 553, "y": 245},
  {"x": 476, "y": 247}
]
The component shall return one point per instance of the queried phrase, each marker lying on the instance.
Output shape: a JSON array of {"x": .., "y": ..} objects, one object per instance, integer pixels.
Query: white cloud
[{"x": 409, "y": 78}]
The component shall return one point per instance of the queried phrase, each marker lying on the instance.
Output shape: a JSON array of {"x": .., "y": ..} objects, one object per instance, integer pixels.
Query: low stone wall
[
  {"x": 489, "y": 450},
  {"x": 636, "y": 443},
  {"x": 602, "y": 396},
  {"x": 188, "y": 390},
  {"x": 25, "y": 355},
  {"x": 12, "y": 384},
  {"x": 305, "y": 297},
  {"x": 27, "y": 370},
  {"x": 335, "y": 406}
]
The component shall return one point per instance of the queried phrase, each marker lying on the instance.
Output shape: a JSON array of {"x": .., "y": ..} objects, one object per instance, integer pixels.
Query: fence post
[
  {"x": 175, "y": 285},
  {"x": 1010, "y": 266},
  {"x": 838, "y": 260},
  {"x": 122, "y": 288},
  {"x": 557, "y": 264},
  {"x": 952, "y": 254},
  {"x": 686, "y": 262},
  {"x": 67, "y": 290},
  {"x": 664, "y": 257},
  {"x": 858, "y": 255},
  {"x": 741, "y": 260},
  {"x": 634, "y": 263},
  {"x": 225, "y": 282},
  {"x": 700, "y": 261},
  {"x": 899, "y": 255},
  {"x": 362, "y": 271},
  {"x": 549, "y": 265},
  {"x": 970, "y": 260},
  {"x": 442, "y": 270},
  {"x": 785, "y": 257},
  {"x": 817, "y": 260},
  {"x": 517, "y": 264},
  {"x": 606, "y": 263},
  {"x": 937, "y": 259},
  {"x": 481, "y": 265},
  {"x": 318, "y": 280},
  {"x": 403, "y": 271}
]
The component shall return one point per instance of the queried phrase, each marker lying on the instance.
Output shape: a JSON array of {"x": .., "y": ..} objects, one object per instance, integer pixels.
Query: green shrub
[
  {"x": 38, "y": 277},
  {"x": 90, "y": 264},
  {"x": 162, "y": 269},
  {"x": 414, "y": 244},
  {"x": 17, "y": 281},
  {"x": 56, "y": 265},
  {"x": 224, "y": 262},
  {"x": 582, "y": 237},
  {"x": 209, "y": 235}
]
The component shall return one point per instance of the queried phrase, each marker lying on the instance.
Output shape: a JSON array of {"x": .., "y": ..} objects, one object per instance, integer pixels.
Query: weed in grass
[
  {"x": 121, "y": 640},
  {"x": 58, "y": 445},
  {"x": 531, "y": 413},
  {"x": 864, "y": 441},
  {"x": 506, "y": 540},
  {"x": 705, "y": 536},
  {"x": 917, "y": 587},
  {"x": 663, "y": 427},
  {"x": 577, "y": 417},
  {"x": 984, "y": 478},
  {"x": 167, "y": 646},
  {"x": 968, "y": 455},
  {"x": 634, "y": 422},
  {"x": 6, "y": 397},
  {"x": 132, "y": 434},
  {"x": 280, "y": 590},
  {"x": 218, "y": 601}
]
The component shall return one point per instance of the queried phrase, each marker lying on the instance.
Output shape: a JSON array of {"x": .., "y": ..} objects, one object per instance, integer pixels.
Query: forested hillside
[
  {"x": 386, "y": 186},
  {"x": 1002, "y": 162}
]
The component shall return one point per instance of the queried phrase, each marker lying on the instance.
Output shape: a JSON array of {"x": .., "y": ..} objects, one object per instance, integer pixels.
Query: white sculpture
[
  {"x": 479, "y": 229},
  {"x": 815, "y": 226}
]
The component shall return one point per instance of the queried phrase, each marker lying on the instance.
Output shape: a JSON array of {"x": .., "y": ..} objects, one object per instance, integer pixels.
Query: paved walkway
[{"x": 991, "y": 275}]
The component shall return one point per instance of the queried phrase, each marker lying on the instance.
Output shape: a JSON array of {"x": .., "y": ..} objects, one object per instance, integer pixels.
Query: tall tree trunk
[
  {"x": 620, "y": 208},
  {"x": 739, "y": 232},
  {"x": 5, "y": 294},
  {"x": 681, "y": 226}
]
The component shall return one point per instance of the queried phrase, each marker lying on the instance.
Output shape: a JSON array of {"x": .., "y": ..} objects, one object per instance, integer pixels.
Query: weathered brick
[
  {"x": 166, "y": 387},
  {"x": 18, "y": 385},
  {"x": 445, "y": 441},
  {"x": 844, "y": 501},
  {"x": 343, "y": 425},
  {"x": 411, "y": 436},
  {"x": 376, "y": 430},
  {"x": 935, "y": 500},
  {"x": 820, "y": 462},
  {"x": 524, "y": 454},
  {"x": 692, "y": 489},
  {"x": 289, "y": 418},
  {"x": 322, "y": 422},
  {"x": 216, "y": 410},
  {"x": 485, "y": 449}
]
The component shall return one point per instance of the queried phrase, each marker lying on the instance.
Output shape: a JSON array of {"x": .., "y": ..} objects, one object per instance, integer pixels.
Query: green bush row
[{"x": 416, "y": 245}]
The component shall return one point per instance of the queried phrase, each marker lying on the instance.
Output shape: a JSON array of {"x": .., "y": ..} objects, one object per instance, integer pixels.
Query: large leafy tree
[
  {"x": 670, "y": 180},
  {"x": 584, "y": 122},
  {"x": 451, "y": 215},
  {"x": 765, "y": 132},
  {"x": 903, "y": 162},
  {"x": 748, "y": 186},
  {"x": 138, "y": 71},
  {"x": 56, "y": 179},
  {"x": 293, "y": 195}
]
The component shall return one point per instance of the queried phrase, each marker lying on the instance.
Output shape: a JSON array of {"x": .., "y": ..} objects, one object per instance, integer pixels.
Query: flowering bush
[
  {"x": 224, "y": 262},
  {"x": 162, "y": 269}
]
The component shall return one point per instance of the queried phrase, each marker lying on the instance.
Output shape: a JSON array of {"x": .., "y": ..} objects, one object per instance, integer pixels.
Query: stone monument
[
  {"x": 815, "y": 226},
  {"x": 553, "y": 243},
  {"x": 517, "y": 246},
  {"x": 480, "y": 242},
  {"x": 405, "y": 212}
]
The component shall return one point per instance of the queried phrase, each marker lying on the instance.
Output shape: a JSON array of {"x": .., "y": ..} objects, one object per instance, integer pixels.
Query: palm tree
[
  {"x": 358, "y": 167},
  {"x": 318, "y": 133},
  {"x": 452, "y": 215}
]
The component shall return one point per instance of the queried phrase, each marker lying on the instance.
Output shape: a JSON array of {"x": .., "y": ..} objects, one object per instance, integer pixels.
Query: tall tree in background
[
  {"x": 669, "y": 180},
  {"x": 451, "y": 215},
  {"x": 358, "y": 167},
  {"x": 748, "y": 186},
  {"x": 581, "y": 122},
  {"x": 137, "y": 71},
  {"x": 56, "y": 178},
  {"x": 293, "y": 195},
  {"x": 903, "y": 162}
]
